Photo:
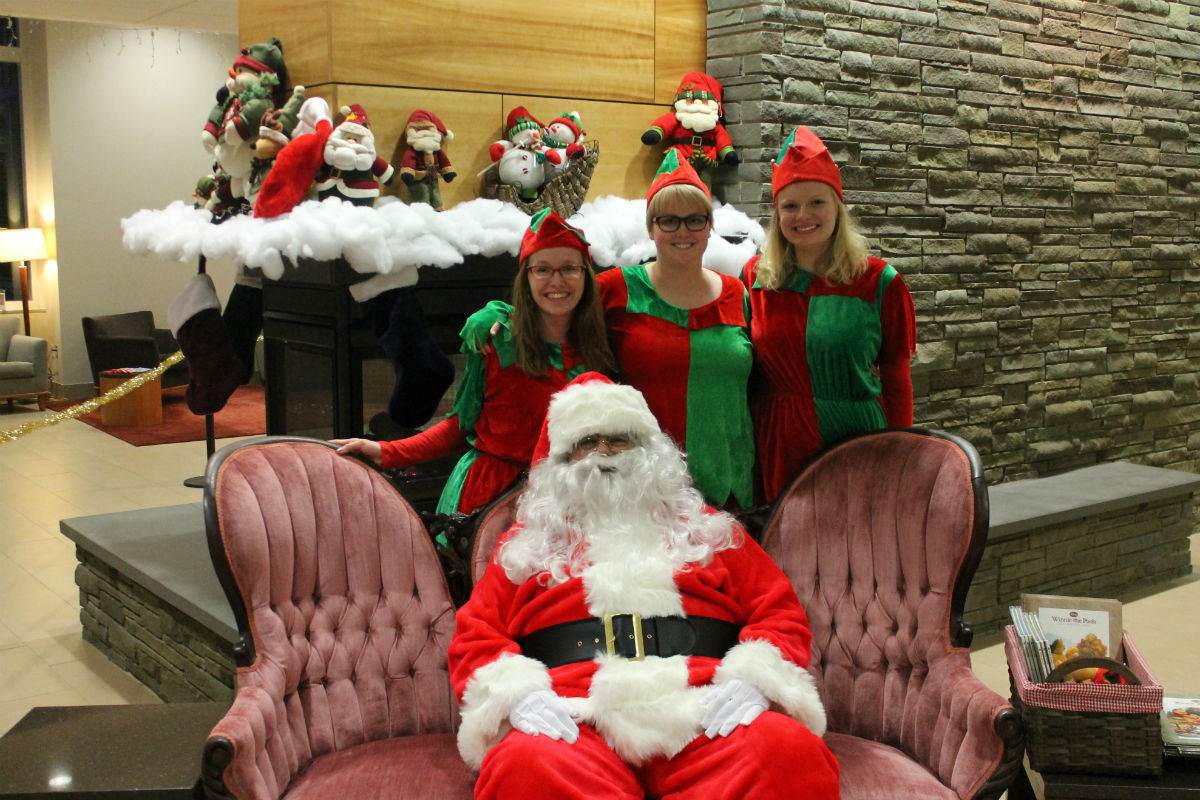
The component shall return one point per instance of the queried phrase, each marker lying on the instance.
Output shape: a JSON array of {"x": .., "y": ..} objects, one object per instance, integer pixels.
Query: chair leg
[{"x": 43, "y": 399}]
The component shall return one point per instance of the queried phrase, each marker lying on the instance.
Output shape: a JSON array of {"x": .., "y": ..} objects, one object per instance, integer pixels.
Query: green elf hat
[
  {"x": 804, "y": 157},
  {"x": 547, "y": 229},
  {"x": 673, "y": 170},
  {"x": 265, "y": 58}
]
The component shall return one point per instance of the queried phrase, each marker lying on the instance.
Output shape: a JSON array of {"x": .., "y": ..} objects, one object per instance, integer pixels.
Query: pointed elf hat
[
  {"x": 548, "y": 229},
  {"x": 519, "y": 119},
  {"x": 804, "y": 157},
  {"x": 593, "y": 404},
  {"x": 672, "y": 171}
]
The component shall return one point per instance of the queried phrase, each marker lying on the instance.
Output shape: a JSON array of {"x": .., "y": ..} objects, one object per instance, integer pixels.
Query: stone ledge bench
[
  {"x": 1099, "y": 531},
  {"x": 150, "y": 600}
]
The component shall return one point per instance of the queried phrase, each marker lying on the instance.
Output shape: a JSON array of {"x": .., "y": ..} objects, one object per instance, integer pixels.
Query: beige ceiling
[{"x": 192, "y": 15}]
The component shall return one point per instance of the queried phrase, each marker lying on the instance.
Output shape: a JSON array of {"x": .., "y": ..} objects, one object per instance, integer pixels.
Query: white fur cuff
[
  {"x": 491, "y": 693},
  {"x": 760, "y": 663}
]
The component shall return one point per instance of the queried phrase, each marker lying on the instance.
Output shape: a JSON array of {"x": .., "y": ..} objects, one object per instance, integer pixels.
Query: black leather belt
[{"x": 629, "y": 636}]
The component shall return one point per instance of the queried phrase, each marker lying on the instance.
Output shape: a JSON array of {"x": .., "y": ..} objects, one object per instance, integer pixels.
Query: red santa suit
[{"x": 640, "y": 728}]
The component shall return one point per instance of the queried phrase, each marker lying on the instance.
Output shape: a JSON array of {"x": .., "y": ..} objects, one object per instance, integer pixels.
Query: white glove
[
  {"x": 543, "y": 713},
  {"x": 730, "y": 704}
]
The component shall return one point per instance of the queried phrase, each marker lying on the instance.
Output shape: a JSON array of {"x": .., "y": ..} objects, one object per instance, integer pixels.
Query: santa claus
[
  {"x": 352, "y": 170},
  {"x": 424, "y": 159},
  {"x": 693, "y": 128},
  {"x": 627, "y": 640}
]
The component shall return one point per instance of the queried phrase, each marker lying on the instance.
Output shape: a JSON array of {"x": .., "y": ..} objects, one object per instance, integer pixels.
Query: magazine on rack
[{"x": 1181, "y": 725}]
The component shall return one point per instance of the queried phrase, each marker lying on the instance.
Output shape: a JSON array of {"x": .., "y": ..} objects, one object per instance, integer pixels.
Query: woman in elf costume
[
  {"x": 552, "y": 332},
  {"x": 680, "y": 332},
  {"x": 833, "y": 329},
  {"x": 681, "y": 335}
]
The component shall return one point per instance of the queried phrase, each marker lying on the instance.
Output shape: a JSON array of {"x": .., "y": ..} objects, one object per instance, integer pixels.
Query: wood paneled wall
[{"x": 616, "y": 62}]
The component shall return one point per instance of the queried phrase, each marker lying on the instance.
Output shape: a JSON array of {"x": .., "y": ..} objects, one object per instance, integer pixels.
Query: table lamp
[{"x": 23, "y": 245}]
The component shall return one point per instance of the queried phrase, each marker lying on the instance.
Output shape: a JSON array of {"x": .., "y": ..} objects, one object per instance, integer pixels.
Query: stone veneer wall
[
  {"x": 1033, "y": 170},
  {"x": 171, "y": 653},
  {"x": 1111, "y": 554}
]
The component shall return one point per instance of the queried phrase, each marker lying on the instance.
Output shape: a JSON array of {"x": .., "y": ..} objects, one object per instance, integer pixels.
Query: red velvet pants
[{"x": 773, "y": 758}]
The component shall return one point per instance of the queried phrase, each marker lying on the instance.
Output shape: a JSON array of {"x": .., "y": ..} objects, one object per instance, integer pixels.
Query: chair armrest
[
  {"x": 978, "y": 740},
  {"x": 37, "y": 352},
  {"x": 165, "y": 340},
  {"x": 239, "y": 754}
]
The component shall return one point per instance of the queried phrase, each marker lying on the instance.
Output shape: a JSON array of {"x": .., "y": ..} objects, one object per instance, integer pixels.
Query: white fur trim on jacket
[
  {"x": 761, "y": 664},
  {"x": 490, "y": 695},
  {"x": 644, "y": 708}
]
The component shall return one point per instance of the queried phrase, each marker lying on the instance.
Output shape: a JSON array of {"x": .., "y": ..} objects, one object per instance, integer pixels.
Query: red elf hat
[
  {"x": 548, "y": 229},
  {"x": 804, "y": 157},
  {"x": 672, "y": 171}
]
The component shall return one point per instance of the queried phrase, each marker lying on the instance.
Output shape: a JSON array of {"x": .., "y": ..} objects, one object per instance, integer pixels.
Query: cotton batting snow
[{"x": 394, "y": 236}]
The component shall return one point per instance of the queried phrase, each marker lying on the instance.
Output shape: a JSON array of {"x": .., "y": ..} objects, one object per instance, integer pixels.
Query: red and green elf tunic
[
  {"x": 498, "y": 413},
  {"x": 693, "y": 367},
  {"x": 830, "y": 360}
]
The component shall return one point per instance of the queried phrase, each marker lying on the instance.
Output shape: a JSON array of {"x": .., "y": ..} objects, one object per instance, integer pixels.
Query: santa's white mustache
[
  {"x": 348, "y": 155},
  {"x": 425, "y": 141}
]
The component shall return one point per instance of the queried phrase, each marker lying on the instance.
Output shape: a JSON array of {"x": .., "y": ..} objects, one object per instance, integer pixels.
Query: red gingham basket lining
[{"x": 1096, "y": 697}]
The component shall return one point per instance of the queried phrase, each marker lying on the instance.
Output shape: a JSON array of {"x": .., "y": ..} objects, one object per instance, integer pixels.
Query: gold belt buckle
[{"x": 610, "y": 639}]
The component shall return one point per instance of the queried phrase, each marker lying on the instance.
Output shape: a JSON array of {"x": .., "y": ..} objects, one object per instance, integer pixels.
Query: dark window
[{"x": 12, "y": 153}]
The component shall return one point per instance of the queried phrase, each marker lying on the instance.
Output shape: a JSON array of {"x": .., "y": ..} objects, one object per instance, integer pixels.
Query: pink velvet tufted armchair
[
  {"x": 881, "y": 535},
  {"x": 342, "y": 685}
]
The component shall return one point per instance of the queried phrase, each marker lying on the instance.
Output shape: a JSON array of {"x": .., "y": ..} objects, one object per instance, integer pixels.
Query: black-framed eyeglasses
[
  {"x": 693, "y": 222},
  {"x": 570, "y": 272}
]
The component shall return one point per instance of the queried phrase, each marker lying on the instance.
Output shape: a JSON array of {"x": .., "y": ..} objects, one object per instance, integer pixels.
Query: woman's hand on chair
[{"x": 365, "y": 447}]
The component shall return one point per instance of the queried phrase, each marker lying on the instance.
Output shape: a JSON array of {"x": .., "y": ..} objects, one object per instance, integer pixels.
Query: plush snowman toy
[
  {"x": 523, "y": 170},
  {"x": 564, "y": 134}
]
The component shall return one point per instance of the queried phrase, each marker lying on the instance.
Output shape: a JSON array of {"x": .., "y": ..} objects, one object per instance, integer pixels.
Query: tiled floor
[
  {"x": 51, "y": 473},
  {"x": 71, "y": 469}
]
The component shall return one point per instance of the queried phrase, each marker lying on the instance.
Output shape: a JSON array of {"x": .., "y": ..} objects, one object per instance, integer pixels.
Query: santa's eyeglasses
[
  {"x": 670, "y": 223},
  {"x": 593, "y": 443}
]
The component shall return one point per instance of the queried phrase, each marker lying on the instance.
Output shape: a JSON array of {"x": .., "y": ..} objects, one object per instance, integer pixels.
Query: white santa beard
[
  {"x": 348, "y": 155},
  {"x": 424, "y": 141},
  {"x": 575, "y": 515},
  {"x": 698, "y": 121}
]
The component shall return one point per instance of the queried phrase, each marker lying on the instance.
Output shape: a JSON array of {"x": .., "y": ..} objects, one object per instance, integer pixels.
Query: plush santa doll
[
  {"x": 257, "y": 83},
  {"x": 694, "y": 128},
  {"x": 352, "y": 170},
  {"x": 424, "y": 158},
  {"x": 564, "y": 134}
]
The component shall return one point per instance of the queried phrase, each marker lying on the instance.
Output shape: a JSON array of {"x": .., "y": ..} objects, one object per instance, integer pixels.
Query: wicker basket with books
[{"x": 1102, "y": 728}]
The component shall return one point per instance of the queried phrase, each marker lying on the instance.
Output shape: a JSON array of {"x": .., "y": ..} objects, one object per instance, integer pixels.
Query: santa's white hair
[{"x": 643, "y": 491}]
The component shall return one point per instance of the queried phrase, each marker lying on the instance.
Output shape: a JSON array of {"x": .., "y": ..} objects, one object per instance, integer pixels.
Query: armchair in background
[
  {"x": 131, "y": 340},
  {"x": 24, "y": 365}
]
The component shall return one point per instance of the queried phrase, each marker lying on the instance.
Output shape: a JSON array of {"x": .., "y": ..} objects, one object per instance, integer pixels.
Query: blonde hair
[
  {"x": 587, "y": 333},
  {"x": 685, "y": 193},
  {"x": 845, "y": 259}
]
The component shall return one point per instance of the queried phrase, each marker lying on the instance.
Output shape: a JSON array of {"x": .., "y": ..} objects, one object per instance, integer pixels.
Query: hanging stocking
[{"x": 214, "y": 371}]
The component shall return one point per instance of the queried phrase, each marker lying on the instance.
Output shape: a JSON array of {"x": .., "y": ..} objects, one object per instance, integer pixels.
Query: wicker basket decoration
[
  {"x": 1109, "y": 729},
  {"x": 564, "y": 193}
]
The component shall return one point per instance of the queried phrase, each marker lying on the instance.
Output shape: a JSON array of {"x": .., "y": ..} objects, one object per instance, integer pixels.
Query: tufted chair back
[
  {"x": 342, "y": 605},
  {"x": 880, "y": 536},
  {"x": 494, "y": 520}
]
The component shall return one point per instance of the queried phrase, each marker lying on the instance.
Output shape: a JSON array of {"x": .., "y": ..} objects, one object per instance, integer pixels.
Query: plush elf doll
[
  {"x": 257, "y": 83},
  {"x": 693, "y": 128},
  {"x": 424, "y": 158}
]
